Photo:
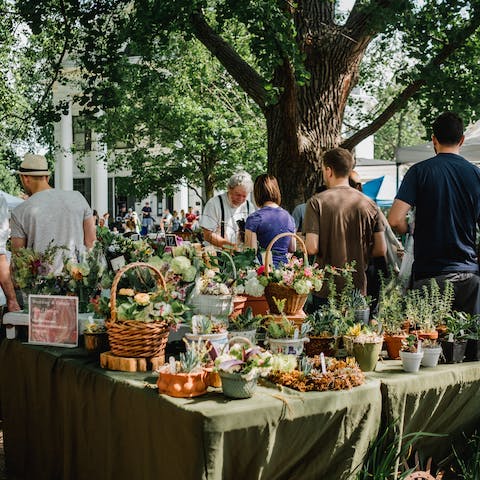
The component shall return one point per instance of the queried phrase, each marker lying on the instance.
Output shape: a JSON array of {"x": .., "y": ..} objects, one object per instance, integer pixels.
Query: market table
[
  {"x": 65, "y": 418},
  {"x": 442, "y": 400}
]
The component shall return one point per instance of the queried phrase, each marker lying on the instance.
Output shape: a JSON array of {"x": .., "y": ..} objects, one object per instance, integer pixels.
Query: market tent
[
  {"x": 12, "y": 201},
  {"x": 382, "y": 190},
  {"x": 470, "y": 148}
]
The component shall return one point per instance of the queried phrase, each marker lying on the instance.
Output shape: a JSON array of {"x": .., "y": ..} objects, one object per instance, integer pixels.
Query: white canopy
[{"x": 470, "y": 148}]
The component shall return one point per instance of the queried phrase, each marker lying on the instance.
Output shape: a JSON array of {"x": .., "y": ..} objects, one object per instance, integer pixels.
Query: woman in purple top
[{"x": 270, "y": 220}]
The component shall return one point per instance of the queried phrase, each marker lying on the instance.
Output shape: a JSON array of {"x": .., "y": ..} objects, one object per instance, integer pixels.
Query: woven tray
[{"x": 133, "y": 338}]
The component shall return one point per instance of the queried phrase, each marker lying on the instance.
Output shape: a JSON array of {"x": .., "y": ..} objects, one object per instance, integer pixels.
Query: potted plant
[
  {"x": 323, "y": 333},
  {"x": 208, "y": 328},
  {"x": 411, "y": 354},
  {"x": 431, "y": 353},
  {"x": 454, "y": 344},
  {"x": 472, "y": 352},
  {"x": 185, "y": 378},
  {"x": 360, "y": 305},
  {"x": 95, "y": 336},
  {"x": 245, "y": 325},
  {"x": 420, "y": 314},
  {"x": 367, "y": 345},
  {"x": 240, "y": 368},
  {"x": 390, "y": 315},
  {"x": 284, "y": 336}
]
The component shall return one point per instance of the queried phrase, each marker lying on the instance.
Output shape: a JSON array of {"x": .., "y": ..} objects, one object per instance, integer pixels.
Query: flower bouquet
[{"x": 292, "y": 281}]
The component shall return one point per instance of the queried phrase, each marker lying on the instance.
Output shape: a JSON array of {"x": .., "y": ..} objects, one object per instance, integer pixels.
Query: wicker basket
[
  {"x": 131, "y": 338},
  {"x": 294, "y": 302}
]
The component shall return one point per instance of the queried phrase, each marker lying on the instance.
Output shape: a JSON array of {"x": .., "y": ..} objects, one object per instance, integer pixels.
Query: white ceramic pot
[
  {"x": 218, "y": 340},
  {"x": 411, "y": 361},
  {"x": 288, "y": 346},
  {"x": 249, "y": 334},
  {"x": 431, "y": 356},
  {"x": 218, "y": 305}
]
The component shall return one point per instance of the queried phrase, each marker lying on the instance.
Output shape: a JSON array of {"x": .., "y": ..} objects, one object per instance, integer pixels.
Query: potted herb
[
  {"x": 245, "y": 325},
  {"x": 472, "y": 352},
  {"x": 185, "y": 378},
  {"x": 391, "y": 316},
  {"x": 454, "y": 344},
  {"x": 411, "y": 354},
  {"x": 209, "y": 328},
  {"x": 323, "y": 333},
  {"x": 367, "y": 345},
  {"x": 284, "y": 336},
  {"x": 240, "y": 368},
  {"x": 95, "y": 336},
  {"x": 431, "y": 353}
]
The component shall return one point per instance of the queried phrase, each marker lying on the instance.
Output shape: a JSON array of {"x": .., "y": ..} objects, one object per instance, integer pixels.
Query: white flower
[{"x": 254, "y": 288}]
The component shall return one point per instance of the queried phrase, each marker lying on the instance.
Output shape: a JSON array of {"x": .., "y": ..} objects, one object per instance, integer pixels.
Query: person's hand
[{"x": 13, "y": 306}]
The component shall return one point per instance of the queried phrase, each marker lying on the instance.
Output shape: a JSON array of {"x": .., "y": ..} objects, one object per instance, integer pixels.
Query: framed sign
[
  {"x": 170, "y": 240},
  {"x": 53, "y": 320}
]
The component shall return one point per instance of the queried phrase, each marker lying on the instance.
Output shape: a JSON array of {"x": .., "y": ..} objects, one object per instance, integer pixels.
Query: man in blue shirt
[{"x": 445, "y": 192}]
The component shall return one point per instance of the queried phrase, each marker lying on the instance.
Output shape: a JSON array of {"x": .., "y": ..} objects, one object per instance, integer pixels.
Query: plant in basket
[
  {"x": 323, "y": 333},
  {"x": 140, "y": 321},
  {"x": 240, "y": 368},
  {"x": 186, "y": 377}
]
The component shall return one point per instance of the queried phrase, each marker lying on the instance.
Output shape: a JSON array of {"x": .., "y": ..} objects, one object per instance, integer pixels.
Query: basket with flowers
[
  {"x": 292, "y": 281},
  {"x": 140, "y": 322}
]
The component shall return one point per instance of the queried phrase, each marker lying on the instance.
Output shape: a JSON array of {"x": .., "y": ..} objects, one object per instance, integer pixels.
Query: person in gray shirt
[{"x": 50, "y": 216}]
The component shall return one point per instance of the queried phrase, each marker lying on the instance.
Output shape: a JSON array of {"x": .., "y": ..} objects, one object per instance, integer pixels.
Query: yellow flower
[
  {"x": 126, "y": 292},
  {"x": 142, "y": 298},
  {"x": 76, "y": 273}
]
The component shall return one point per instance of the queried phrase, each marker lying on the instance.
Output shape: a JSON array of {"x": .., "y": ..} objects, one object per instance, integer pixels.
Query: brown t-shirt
[{"x": 345, "y": 220}]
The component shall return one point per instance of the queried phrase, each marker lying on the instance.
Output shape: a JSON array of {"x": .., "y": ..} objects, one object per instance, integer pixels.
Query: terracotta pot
[
  {"x": 212, "y": 378},
  {"x": 182, "y": 385},
  {"x": 433, "y": 335},
  {"x": 394, "y": 344},
  {"x": 317, "y": 345},
  {"x": 238, "y": 305},
  {"x": 259, "y": 305}
]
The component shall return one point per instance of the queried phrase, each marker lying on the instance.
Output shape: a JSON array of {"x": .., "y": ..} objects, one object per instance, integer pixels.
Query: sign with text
[{"x": 53, "y": 320}]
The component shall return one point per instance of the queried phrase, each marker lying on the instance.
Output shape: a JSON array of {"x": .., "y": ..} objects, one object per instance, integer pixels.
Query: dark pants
[{"x": 466, "y": 287}]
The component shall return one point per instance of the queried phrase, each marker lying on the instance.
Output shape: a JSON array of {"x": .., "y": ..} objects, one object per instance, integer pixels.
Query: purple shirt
[{"x": 267, "y": 223}]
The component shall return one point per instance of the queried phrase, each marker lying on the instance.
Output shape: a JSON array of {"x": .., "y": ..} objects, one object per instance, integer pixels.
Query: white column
[
  {"x": 99, "y": 177},
  {"x": 65, "y": 155},
  {"x": 180, "y": 199}
]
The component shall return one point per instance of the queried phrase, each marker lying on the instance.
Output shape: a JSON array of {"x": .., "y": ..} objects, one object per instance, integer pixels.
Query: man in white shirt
[{"x": 223, "y": 218}]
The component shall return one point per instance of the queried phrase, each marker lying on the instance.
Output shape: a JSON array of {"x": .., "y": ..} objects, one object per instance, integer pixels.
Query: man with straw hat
[{"x": 50, "y": 216}]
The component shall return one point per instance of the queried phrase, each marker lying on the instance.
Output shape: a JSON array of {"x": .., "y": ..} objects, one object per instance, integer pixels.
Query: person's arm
[
  {"x": 311, "y": 242},
  {"x": 397, "y": 217},
  {"x": 216, "y": 239},
  {"x": 379, "y": 247},
  {"x": 7, "y": 285},
  {"x": 293, "y": 244},
  {"x": 89, "y": 232}
]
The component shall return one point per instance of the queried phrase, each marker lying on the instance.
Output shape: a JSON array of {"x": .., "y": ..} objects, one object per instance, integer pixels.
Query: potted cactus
[
  {"x": 360, "y": 305},
  {"x": 245, "y": 325},
  {"x": 209, "y": 328},
  {"x": 411, "y": 354},
  {"x": 323, "y": 333}
]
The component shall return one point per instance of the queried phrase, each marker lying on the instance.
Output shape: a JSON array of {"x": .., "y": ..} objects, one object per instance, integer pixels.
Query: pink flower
[{"x": 308, "y": 272}]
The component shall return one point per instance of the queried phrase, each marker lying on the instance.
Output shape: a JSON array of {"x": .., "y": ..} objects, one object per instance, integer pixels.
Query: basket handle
[
  {"x": 277, "y": 237},
  {"x": 118, "y": 276},
  {"x": 219, "y": 250},
  {"x": 240, "y": 340}
]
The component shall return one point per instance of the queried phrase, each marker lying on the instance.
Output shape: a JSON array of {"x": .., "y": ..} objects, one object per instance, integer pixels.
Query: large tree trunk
[{"x": 307, "y": 121}]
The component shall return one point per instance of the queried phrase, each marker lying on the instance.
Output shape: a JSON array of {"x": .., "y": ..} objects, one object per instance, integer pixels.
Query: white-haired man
[
  {"x": 223, "y": 218},
  {"x": 50, "y": 216}
]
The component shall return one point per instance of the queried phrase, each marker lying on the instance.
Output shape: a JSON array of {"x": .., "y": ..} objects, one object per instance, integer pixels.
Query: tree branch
[
  {"x": 248, "y": 79},
  {"x": 410, "y": 90}
]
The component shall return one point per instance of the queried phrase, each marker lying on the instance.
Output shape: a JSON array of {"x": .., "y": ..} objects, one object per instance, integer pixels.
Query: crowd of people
[{"x": 339, "y": 224}]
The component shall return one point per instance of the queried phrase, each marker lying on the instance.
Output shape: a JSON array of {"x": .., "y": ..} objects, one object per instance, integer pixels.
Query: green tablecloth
[
  {"x": 443, "y": 400},
  {"x": 65, "y": 418}
]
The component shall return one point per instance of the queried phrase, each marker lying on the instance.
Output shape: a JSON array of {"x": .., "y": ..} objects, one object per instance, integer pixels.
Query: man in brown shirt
[{"x": 342, "y": 224}]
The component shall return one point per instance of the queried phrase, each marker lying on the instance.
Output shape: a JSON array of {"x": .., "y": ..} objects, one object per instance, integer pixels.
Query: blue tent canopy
[{"x": 381, "y": 190}]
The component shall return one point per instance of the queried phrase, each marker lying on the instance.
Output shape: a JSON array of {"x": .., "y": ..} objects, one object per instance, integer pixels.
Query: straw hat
[{"x": 34, "y": 165}]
